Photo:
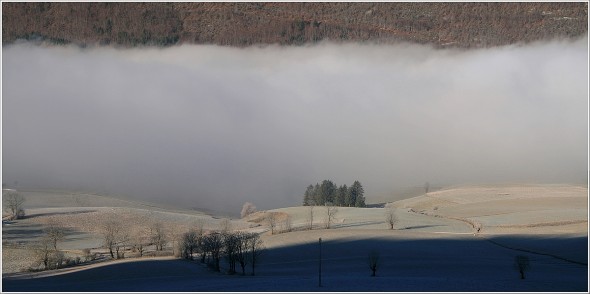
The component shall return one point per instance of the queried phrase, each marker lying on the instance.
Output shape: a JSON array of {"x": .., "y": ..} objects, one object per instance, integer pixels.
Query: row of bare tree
[
  {"x": 278, "y": 224},
  {"x": 330, "y": 212},
  {"x": 117, "y": 238},
  {"x": 241, "y": 248}
]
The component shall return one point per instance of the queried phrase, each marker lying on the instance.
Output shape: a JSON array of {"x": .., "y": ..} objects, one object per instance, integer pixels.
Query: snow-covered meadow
[{"x": 433, "y": 247}]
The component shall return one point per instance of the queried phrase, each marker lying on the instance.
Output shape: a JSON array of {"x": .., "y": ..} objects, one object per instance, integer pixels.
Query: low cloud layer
[{"x": 207, "y": 126}]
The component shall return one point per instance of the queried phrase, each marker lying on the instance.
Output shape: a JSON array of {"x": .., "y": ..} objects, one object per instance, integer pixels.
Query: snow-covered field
[{"x": 434, "y": 246}]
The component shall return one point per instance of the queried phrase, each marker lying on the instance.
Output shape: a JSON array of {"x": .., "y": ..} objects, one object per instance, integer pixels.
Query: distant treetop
[{"x": 328, "y": 193}]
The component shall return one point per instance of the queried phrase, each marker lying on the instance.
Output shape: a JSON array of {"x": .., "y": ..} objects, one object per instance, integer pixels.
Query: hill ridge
[{"x": 464, "y": 25}]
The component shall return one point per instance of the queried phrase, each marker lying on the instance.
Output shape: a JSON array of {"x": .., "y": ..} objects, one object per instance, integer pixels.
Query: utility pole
[{"x": 320, "y": 272}]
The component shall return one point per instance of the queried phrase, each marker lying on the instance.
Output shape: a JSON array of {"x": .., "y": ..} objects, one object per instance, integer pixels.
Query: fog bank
[{"x": 208, "y": 126}]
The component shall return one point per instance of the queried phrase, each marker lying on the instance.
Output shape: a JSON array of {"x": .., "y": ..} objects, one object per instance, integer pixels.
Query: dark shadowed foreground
[{"x": 427, "y": 263}]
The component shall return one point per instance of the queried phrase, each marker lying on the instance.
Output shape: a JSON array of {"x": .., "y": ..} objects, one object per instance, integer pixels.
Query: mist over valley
[{"x": 213, "y": 127}]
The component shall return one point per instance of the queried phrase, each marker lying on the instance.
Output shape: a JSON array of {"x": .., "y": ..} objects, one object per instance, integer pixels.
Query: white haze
[{"x": 213, "y": 127}]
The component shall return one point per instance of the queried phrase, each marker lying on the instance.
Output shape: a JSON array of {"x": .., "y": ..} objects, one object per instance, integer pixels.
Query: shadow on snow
[{"x": 462, "y": 263}]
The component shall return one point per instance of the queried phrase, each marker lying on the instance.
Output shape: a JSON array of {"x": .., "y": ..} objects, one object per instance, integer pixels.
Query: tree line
[
  {"x": 243, "y": 24},
  {"x": 238, "y": 248},
  {"x": 328, "y": 193}
]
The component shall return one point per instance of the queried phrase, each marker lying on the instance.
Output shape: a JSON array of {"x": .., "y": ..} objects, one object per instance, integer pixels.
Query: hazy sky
[{"x": 208, "y": 126}]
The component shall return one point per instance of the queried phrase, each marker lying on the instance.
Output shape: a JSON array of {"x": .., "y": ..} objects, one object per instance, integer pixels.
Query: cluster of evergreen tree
[{"x": 328, "y": 193}]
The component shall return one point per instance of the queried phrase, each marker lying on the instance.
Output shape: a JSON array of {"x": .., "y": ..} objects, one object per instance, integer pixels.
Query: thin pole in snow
[{"x": 320, "y": 270}]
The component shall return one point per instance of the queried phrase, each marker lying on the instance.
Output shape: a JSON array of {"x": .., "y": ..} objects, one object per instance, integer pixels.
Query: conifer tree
[
  {"x": 317, "y": 194},
  {"x": 357, "y": 193},
  {"x": 327, "y": 192},
  {"x": 308, "y": 197},
  {"x": 340, "y": 198}
]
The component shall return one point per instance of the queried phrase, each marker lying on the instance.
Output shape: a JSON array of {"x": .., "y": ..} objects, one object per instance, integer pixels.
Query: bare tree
[
  {"x": 189, "y": 244},
  {"x": 199, "y": 228},
  {"x": 271, "y": 220},
  {"x": 214, "y": 245},
  {"x": 43, "y": 252},
  {"x": 310, "y": 217},
  {"x": 522, "y": 264},
  {"x": 242, "y": 252},
  {"x": 256, "y": 247},
  {"x": 286, "y": 225},
  {"x": 114, "y": 237},
  {"x": 373, "y": 261},
  {"x": 158, "y": 236},
  {"x": 53, "y": 259},
  {"x": 122, "y": 241},
  {"x": 110, "y": 230},
  {"x": 140, "y": 236},
  {"x": 205, "y": 248},
  {"x": 247, "y": 209},
  {"x": 231, "y": 244},
  {"x": 390, "y": 216},
  {"x": 331, "y": 211},
  {"x": 55, "y": 233},
  {"x": 47, "y": 254},
  {"x": 13, "y": 202}
]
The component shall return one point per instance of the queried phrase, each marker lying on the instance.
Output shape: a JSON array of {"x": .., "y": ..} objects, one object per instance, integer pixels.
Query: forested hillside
[{"x": 462, "y": 25}]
